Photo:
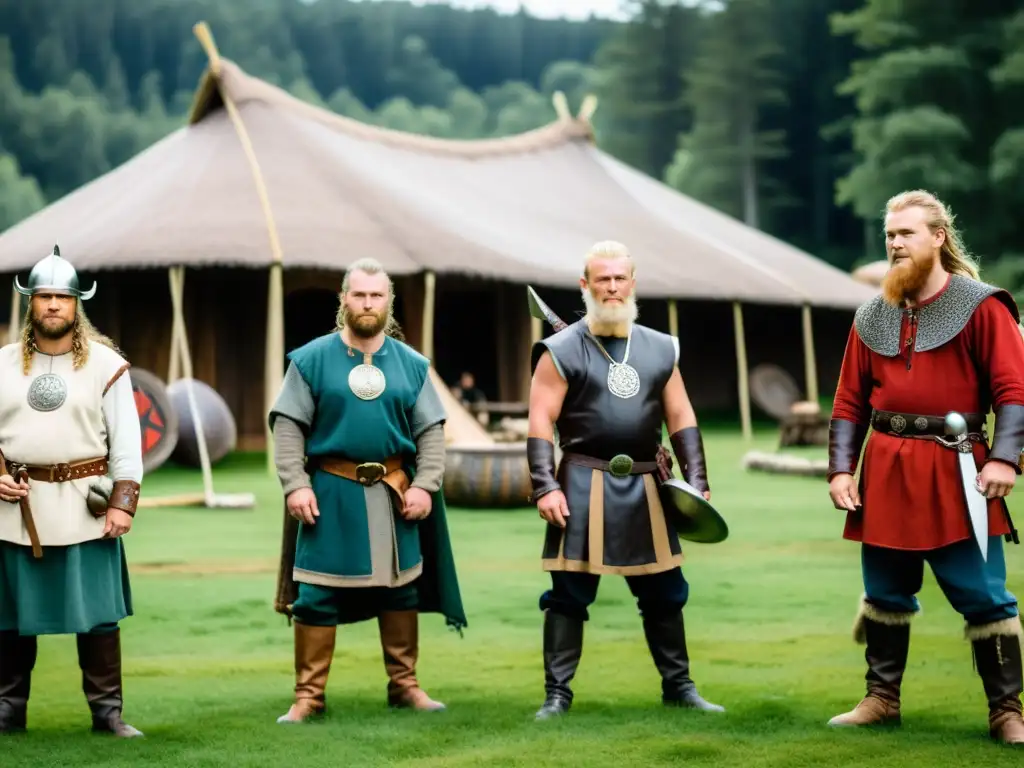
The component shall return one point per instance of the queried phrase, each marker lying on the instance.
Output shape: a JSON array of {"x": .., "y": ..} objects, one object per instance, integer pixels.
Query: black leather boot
[
  {"x": 17, "y": 660},
  {"x": 666, "y": 638},
  {"x": 563, "y": 646},
  {"x": 99, "y": 657},
  {"x": 998, "y": 661}
]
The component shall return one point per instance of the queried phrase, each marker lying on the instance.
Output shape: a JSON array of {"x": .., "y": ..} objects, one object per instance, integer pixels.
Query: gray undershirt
[
  {"x": 295, "y": 410},
  {"x": 290, "y": 452}
]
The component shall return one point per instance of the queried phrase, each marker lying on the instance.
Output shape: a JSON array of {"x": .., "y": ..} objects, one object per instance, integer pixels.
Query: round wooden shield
[{"x": 157, "y": 418}]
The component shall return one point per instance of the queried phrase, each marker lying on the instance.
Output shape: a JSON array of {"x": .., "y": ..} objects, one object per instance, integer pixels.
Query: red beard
[{"x": 905, "y": 278}]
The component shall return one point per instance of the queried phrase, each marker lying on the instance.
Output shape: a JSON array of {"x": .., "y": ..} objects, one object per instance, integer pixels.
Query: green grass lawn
[{"x": 208, "y": 664}]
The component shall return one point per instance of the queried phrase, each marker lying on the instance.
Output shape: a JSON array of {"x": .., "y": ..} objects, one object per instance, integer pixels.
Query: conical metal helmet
[{"x": 53, "y": 274}]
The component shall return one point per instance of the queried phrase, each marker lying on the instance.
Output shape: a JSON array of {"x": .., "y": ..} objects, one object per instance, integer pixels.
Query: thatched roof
[{"x": 522, "y": 208}]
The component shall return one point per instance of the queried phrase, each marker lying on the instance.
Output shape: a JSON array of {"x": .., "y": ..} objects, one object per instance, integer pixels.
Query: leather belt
[
  {"x": 917, "y": 425},
  {"x": 620, "y": 465},
  {"x": 55, "y": 473},
  {"x": 59, "y": 473},
  {"x": 390, "y": 472}
]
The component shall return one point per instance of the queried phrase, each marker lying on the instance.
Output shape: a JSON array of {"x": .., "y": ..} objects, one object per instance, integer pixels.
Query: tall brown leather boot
[
  {"x": 314, "y": 651},
  {"x": 399, "y": 639},
  {"x": 17, "y": 660},
  {"x": 99, "y": 657},
  {"x": 996, "y": 649},
  {"x": 887, "y": 637}
]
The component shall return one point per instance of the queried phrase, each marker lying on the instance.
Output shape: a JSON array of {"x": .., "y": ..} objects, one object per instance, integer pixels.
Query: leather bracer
[
  {"x": 845, "y": 439},
  {"x": 540, "y": 454},
  {"x": 688, "y": 446},
  {"x": 1008, "y": 439},
  {"x": 125, "y": 496}
]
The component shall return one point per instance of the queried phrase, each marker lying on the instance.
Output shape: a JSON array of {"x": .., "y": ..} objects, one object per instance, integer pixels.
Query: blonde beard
[{"x": 609, "y": 319}]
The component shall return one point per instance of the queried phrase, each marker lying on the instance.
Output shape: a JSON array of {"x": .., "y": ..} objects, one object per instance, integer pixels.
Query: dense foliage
[{"x": 798, "y": 116}]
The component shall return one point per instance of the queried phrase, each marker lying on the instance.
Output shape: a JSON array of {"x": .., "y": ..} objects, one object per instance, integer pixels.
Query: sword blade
[
  {"x": 977, "y": 504},
  {"x": 542, "y": 311}
]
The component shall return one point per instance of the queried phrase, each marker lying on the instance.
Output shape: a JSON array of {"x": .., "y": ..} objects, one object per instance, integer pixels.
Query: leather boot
[
  {"x": 314, "y": 651},
  {"x": 17, "y": 660},
  {"x": 99, "y": 657},
  {"x": 886, "y": 656},
  {"x": 666, "y": 639},
  {"x": 998, "y": 662},
  {"x": 563, "y": 646},
  {"x": 399, "y": 640}
]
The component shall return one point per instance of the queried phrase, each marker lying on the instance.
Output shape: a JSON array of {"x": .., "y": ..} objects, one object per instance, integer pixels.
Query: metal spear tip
[{"x": 956, "y": 424}]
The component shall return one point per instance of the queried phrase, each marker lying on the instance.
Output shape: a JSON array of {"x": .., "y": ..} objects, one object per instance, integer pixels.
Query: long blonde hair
[
  {"x": 954, "y": 255},
  {"x": 370, "y": 267},
  {"x": 83, "y": 331}
]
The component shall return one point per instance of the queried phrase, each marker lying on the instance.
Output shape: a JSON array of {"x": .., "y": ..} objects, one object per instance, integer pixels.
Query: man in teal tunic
[
  {"x": 359, "y": 448},
  {"x": 70, "y": 470}
]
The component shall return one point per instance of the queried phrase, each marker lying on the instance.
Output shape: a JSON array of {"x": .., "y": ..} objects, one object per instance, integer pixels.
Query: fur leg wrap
[
  {"x": 868, "y": 611},
  {"x": 1003, "y": 628}
]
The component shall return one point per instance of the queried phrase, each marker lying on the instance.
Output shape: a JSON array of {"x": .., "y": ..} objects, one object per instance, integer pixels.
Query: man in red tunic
[{"x": 936, "y": 341}]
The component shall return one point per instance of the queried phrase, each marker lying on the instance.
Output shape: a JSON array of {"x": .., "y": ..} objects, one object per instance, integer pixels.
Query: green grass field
[{"x": 208, "y": 664}]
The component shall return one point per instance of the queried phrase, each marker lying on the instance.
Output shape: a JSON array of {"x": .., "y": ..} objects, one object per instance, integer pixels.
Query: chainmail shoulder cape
[{"x": 878, "y": 323}]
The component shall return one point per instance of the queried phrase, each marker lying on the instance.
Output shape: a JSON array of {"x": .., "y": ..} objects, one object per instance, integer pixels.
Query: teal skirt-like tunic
[{"x": 70, "y": 590}]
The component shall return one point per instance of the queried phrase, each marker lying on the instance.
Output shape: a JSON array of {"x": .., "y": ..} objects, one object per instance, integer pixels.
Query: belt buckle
[
  {"x": 620, "y": 465},
  {"x": 60, "y": 473},
  {"x": 370, "y": 472}
]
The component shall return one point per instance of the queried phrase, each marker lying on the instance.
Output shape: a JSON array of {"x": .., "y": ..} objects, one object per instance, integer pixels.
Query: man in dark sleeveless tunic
[{"x": 608, "y": 384}]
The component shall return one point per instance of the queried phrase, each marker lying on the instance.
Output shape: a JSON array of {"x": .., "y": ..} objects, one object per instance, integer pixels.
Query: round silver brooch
[
  {"x": 47, "y": 392},
  {"x": 898, "y": 423},
  {"x": 366, "y": 381},
  {"x": 623, "y": 380}
]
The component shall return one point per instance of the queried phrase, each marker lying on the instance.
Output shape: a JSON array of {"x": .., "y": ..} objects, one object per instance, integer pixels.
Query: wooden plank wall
[{"x": 480, "y": 325}]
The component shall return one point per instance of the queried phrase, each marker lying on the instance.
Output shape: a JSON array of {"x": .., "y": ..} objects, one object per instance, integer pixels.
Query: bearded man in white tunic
[{"x": 70, "y": 472}]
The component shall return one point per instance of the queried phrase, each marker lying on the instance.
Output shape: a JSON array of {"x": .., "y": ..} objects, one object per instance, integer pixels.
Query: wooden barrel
[
  {"x": 219, "y": 428},
  {"x": 482, "y": 476},
  {"x": 157, "y": 418}
]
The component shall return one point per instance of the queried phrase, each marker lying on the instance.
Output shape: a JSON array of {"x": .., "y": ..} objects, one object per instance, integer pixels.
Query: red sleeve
[
  {"x": 998, "y": 351},
  {"x": 854, "y": 390}
]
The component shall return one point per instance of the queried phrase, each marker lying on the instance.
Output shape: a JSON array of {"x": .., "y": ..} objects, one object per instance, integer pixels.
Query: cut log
[{"x": 783, "y": 464}]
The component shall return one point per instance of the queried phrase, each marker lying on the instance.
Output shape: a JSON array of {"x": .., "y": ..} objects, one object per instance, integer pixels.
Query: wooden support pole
[
  {"x": 673, "y": 318},
  {"x": 174, "y": 358},
  {"x": 273, "y": 365},
  {"x": 429, "y": 286},
  {"x": 741, "y": 369},
  {"x": 176, "y": 277},
  {"x": 810, "y": 362},
  {"x": 536, "y": 330},
  {"x": 14, "y": 329}
]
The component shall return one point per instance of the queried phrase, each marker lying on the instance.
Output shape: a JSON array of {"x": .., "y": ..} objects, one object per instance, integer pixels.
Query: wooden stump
[{"x": 803, "y": 425}]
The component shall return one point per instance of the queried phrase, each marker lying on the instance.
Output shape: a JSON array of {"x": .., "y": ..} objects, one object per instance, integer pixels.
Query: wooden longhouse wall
[{"x": 481, "y": 325}]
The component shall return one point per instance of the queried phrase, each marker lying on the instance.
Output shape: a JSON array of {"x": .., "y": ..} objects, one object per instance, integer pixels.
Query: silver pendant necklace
[
  {"x": 366, "y": 380},
  {"x": 623, "y": 380},
  {"x": 48, "y": 391}
]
